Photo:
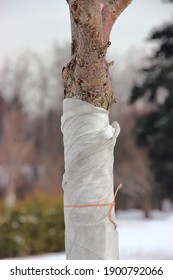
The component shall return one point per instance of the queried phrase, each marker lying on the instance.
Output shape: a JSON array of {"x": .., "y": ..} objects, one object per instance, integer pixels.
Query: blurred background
[{"x": 35, "y": 45}]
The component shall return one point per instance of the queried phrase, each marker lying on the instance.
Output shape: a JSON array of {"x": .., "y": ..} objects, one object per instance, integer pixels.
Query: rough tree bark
[
  {"x": 86, "y": 76},
  {"x": 88, "y": 96}
]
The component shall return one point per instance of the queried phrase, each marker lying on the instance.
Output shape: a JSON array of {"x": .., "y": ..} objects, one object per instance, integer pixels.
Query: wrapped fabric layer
[{"x": 89, "y": 142}]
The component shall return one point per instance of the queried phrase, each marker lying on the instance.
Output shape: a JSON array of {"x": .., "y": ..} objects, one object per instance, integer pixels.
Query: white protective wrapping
[{"x": 88, "y": 179}]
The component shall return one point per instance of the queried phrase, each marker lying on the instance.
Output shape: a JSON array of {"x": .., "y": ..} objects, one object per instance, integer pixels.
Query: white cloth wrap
[{"x": 88, "y": 179}]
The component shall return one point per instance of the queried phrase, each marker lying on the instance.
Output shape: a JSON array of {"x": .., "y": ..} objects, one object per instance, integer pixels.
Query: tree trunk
[
  {"x": 10, "y": 198},
  {"x": 88, "y": 138},
  {"x": 86, "y": 76}
]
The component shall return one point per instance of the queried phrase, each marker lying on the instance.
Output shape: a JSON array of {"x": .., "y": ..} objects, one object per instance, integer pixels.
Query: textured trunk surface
[
  {"x": 89, "y": 139},
  {"x": 86, "y": 76}
]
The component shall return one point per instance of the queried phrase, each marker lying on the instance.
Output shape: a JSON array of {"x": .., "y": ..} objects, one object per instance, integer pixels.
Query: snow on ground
[{"x": 139, "y": 238}]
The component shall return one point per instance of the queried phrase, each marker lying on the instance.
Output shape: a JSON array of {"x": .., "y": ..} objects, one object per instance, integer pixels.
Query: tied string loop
[{"x": 111, "y": 204}]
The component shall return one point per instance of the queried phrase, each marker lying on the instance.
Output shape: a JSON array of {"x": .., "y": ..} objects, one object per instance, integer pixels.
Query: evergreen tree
[{"x": 155, "y": 129}]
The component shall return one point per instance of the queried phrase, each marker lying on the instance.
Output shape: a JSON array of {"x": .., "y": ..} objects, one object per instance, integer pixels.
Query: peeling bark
[{"x": 86, "y": 76}]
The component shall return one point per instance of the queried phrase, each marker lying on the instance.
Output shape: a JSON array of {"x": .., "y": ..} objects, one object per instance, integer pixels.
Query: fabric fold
[{"x": 89, "y": 142}]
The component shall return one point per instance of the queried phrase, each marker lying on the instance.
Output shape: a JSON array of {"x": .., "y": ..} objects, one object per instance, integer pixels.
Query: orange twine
[{"x": 111, "y": 204}]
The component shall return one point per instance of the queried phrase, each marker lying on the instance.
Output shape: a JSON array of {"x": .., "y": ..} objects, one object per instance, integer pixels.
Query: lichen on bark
[{"x": 86, "y": 76}]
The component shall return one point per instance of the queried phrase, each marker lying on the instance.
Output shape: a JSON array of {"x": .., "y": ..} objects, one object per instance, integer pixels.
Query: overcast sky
[{"x": 37, "y": 24}]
